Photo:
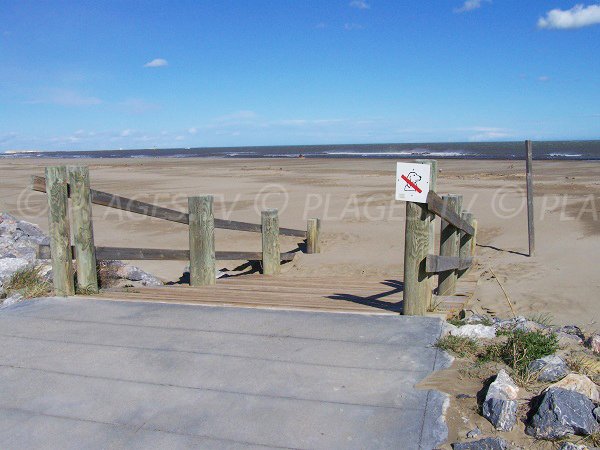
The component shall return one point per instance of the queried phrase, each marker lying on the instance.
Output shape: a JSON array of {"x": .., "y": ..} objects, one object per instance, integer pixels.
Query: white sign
[{"x": 412, "y": 182}]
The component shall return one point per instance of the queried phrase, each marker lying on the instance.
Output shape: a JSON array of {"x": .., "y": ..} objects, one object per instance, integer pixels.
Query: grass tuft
[
  {"x": 459, "y": 345},
  {"x": 544, "y": 319},
  {"x": 28, "y": 282}
]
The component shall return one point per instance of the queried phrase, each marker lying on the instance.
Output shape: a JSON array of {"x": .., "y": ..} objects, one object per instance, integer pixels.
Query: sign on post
[{"x": 412, "y": 182}]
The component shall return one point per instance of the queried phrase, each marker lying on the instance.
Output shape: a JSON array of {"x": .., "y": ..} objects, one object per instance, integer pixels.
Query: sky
[{"x": 82, "y": 75}]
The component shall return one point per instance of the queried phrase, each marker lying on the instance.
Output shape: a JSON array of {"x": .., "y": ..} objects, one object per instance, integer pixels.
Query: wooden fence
[
  {"x": 457, "y": 247},
  {"x": 62, "y": 183}
]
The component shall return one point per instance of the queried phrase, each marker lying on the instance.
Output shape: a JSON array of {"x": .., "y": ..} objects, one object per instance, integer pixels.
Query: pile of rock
[
  {"x": 19, "y": 241},
  {"x": 569, "y": 406}
]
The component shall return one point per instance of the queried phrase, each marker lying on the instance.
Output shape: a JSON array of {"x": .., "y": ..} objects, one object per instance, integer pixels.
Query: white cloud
[
  {"x": 158, "y": 62},
  {"x": 353, "y": 26},
  {"x": 192, "y": 130},
  {"x": 470, "y": 5},
  {"x": 577, "y": 17},
  {"x": 126, "y": 133},
  {"x": 486, "y": 133},
  {"x": 66, "y": 97},
  {"x": 544, "y": 78},
  {"x": 359, "y": 4}
]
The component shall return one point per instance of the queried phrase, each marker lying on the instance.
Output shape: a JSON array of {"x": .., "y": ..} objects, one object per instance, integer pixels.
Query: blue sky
[{"x": 144, "y": 74}]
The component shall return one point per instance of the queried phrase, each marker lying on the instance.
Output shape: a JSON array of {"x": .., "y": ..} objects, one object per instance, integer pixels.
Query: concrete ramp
[{"x": 81, "y": 373}]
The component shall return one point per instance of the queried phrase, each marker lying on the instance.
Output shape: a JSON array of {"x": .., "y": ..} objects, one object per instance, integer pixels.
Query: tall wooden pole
[
  {"x": 83, "y": 233},
  {"x": 202, "y": 241},
  {"x": 530, "y": 212},
  {"x": 60, "y": 240},
  {"x": 433, "y": 175},
  {"x": 466, "y": 241},
  {"x": 270, "y": 242},
  {"x": 313, "y": 230},
  {"x": 449, "y": 245}
]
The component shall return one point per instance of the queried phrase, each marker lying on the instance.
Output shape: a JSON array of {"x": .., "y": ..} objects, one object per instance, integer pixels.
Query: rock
[
  {"x": 474, "y": 331},
  {"x": 474, "y": 433},
  {"x": 571, "y": 446},
  {"x": 573, "y": 330},
  {"x": 32, "y": 232},
  {"x": 482, "y": 444},
  {"x": 593, "y": 343},
  {"x": 14, "y": 298},
  {"x": 579, "y": 383},
  {"x": 8, "y": 266},
  {"x": 500, "y": 404},
  {"x": 561, "y": 412},
  {"x": 568, "y": 339},
  {"x": 597, "y": 413},
  {"x": 550, "y": 368}
]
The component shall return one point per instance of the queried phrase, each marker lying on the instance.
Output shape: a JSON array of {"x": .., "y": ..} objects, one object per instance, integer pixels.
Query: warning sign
[{"x": 412, "y": 182}]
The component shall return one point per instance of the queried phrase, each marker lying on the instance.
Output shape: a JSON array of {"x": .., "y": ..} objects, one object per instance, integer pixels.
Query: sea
[{"x": 544, "y": 150}]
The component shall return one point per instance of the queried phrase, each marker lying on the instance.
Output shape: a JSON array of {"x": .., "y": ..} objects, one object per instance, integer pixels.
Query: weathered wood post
[
  {"x": 313, "y": 230},
  {"x": 83, "y": 233},
  {"x": 270, "y": 242},
  {"x": 202, "y": 241},
  {"x": 449, "y": 243},
  {"x": 60, "y": 239},
  {"x": 530, "y": 212},
  {"x": 465, "y": 239},
  {"x": 433, "y": 174},
  {"x": 474, "y": 238},
  {"x": 417, "y": 290}
]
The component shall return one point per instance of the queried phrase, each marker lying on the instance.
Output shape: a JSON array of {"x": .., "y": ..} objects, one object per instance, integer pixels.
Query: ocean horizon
[{"x": 542, "y": 150}]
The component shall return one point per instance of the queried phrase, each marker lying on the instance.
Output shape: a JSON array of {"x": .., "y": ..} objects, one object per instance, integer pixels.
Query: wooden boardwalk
[{"x": 331, "y": 294}]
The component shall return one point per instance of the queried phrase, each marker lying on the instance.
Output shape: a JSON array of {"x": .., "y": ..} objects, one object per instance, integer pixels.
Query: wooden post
[
  {"x": 83, "y": 233},
  {"x": 530, "y": 212},
  {"x": 465, "y": 242},
  {"x": 417, "y": 290},
  {"x": 60, "y": 240},
  {"x": 270, "y": 242},
  {"x": 433, "y": 175},
  {"x": 313, "y": 230},
  {"x": 202, "y": 241},
  {"x": 449, "y": 237},
  {"x": 474, "y": 240}
]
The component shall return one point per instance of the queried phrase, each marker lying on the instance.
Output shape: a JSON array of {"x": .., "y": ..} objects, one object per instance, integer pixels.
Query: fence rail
[
  {"x": 62, "y": 183},
  {"x": 458, "y": 232}
]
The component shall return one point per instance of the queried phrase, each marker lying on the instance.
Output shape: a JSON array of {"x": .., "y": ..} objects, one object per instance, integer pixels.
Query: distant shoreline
[{"x": 543, "y": 150}]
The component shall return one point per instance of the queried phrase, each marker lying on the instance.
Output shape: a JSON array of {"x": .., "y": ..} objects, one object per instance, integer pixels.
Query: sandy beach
[{"x": 363, "y": 226}]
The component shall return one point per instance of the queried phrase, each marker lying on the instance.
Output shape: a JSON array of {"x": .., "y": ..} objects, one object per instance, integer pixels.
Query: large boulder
[
  {"x": 500, "y": 404},
  {"x": 593, "y": 343},
  {"x": 571, "y": 446},
  {"x": 483, "y": 444},
  {"x": 8, "y": 266},
  {"x": 561, "y": 412},
  {"x": 579, "y": 383},
  {"x": 549, "y": 368}
]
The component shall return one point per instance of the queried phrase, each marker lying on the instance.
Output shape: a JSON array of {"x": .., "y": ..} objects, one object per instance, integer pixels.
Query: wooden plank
[
  {"x": 271, "y": 262},
  {"x": 202, "y": 241},
  {"x": 436, "y": 205},
  {"x": 530, "y": 212},
  {"x": 437, "y": 264},
  {"x": 158, "y": 212},
  {"x": 60, "y": 238},
  {"x": 449, "y": 237},
  {"x": 157, "y": 254},
  {"x": 83, "y": 233},
  {"x": 417, "y": 290},
  {"x": 313, "y": 230}
]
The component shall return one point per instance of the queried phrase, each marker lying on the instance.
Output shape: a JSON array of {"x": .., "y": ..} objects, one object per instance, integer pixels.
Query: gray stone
[
  {"x": 134, "y": 273},
  {"x": 549, "y": 368},
  {"x": 573, "y": 330},
  {"x": 579, "y": 383},
  {"x": 8, "y": 266},
  {"x": 568, "y": 339},
  {"x": 597, "y": 413},
  {"x": 562, "y": 412},
  {"x": 500, "y": 404},
  {"x": 593, "y": 343},
  {"x": 32, "y": 232},
  {"x": 571, "y": 446},
  {"x": 483, "y": 444},
  {"x": 11, "y": 300},
  {"x": 474, "y": 433},
  {"x": 474, "y": 331}
]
